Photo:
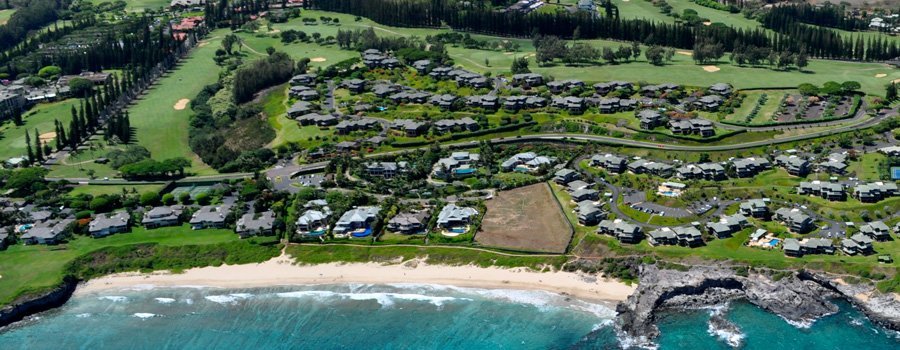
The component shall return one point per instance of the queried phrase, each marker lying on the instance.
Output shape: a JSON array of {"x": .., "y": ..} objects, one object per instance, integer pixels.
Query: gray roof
[
  {"x": 211, "y": 214},
  {"x": 451, "y": 212},
  {"x": 106, "y": 221},
  {"x": 48, "y": 230},
  {"x": 254, "y": 222}
]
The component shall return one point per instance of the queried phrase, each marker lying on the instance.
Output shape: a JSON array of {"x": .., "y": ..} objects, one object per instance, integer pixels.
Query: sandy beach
[{"x": 281, "y": 272}]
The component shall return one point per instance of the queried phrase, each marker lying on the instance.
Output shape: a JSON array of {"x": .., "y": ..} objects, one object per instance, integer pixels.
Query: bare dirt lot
[{"x": 526, "y": 219}]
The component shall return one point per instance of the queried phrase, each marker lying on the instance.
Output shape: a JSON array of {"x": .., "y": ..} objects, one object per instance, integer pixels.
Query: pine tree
[
  {"x": 17, "y": 117},
  {"x": 62, "y": 135},
  {"x": 57, "y": 139},
  {"x": 38, "y": 149},
  {"x": 31, "y": 158},
  {"x": 891, "y": 92},
  {"x": 75, "y": 134}
]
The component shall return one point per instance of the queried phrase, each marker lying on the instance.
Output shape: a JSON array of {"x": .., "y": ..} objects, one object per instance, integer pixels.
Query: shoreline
[{"x": 281, "y": 271}]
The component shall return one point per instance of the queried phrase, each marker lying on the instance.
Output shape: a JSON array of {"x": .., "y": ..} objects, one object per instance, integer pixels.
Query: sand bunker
[
  {"x": 47, "y": 137},
  {"x": 895, "y": 81},
  {"x": 686, "y": 53},
  {"x": 880, "y": 75},
  {"x": 711, "y": 68},
  {"x": 318, "y": 59},
  {"x": 181, "y": 104},
  {"x": 707, "y": 23}
]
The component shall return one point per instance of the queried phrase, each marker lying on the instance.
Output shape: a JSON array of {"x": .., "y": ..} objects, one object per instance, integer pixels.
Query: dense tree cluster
[
  {"x": 827, "y": 15},
  {"x": 234, "y": 142},
  {"x": 766, "y": 56},
  {"x": 130, "y": 44},
  {"x": 479, "y": 16},
  {"x": 153, "y": 169},
  {"x": 29, "y": 16},
  {"x": 260, "y": 74}
]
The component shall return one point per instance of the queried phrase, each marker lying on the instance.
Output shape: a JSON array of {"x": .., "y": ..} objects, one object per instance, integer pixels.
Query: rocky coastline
[
  {"x": 799, "y": 297},
  {"x": 31, "y": 305}
]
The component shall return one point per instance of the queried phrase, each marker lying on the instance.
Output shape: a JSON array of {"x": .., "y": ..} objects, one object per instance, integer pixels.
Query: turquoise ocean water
[{"x": 401, "y": 317}]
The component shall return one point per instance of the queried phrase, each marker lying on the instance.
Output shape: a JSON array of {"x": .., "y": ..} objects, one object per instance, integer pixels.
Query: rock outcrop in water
[{"x": 800, "y": 297}]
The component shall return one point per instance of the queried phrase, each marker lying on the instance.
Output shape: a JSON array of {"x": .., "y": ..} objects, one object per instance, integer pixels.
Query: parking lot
[{"x": 637, "y": 201}]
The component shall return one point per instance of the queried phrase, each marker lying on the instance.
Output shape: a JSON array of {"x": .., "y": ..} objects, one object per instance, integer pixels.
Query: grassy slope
[
  {"x": 12, "y": 138},
  {"x": 36, "y": 267},
  {"x": 161, "y": 128}
]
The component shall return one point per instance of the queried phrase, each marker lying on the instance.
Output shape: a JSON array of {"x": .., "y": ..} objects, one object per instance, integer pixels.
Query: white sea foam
[
  {"x": 114, "y": 298},
  {"x": 732, "y": 337},
  {"x": 802, "y": 324},
  {"x": 144, "y": 315},
  {"x": 228, "y": 299},
  {"x": 165, "y": 300},
  {"x": 189, "y": 301},
  {"x": 84, "y": 315},
  {"x": 605, "y": 323},
  {"x": 383, "y": 299},
  {"x": 140, "y": 287},
  {"x": 542, "y": 300}
]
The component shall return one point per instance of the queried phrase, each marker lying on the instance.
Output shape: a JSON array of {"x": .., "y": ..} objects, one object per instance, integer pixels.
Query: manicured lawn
[
  {"x": 41, "y": 117},
  {"x": 159, "y": 126},
  {"x": 255, "y": 46},
  {"x": 77, "y": 165},
  {"x": 96, "y": 190},
  {"x": 5, "y": 15},
  {"x": 681, "y": 70},
  {"x": 30, "y": 268},
  {"x": 764, "y": 114},
  {"x": 867, "y": 167}
]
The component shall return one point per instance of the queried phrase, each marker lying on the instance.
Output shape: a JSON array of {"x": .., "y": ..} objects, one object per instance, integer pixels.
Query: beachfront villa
[
  {"x": 455, "y": 220},
  {"x": 210, "y": 217},
  {"x": 670, "y": 189},
  {"x": 356, "y": 222},
  {"x": 458, "y": 164},
  {"x": 252, "y": 224},
  {"x": 107, "y": 224},
  {"x": 409, "y": 223},
  {"x": 795, "y": 248},
  {"x": 623, "y": 231},
  {"x": 313, "y": 223},
  {"x": 527, "y": 162},
  {"x": 48, "y": 232},
  {"x": 162, "y": 216}
]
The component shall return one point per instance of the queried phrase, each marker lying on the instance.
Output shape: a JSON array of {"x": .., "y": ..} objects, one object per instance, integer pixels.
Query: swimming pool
[
  {"x": 457, "y": 230},
  {"x": 365, "y": 233},
  {"x": 465, "y": 171},
  {"x": 773, "y": 242}
]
